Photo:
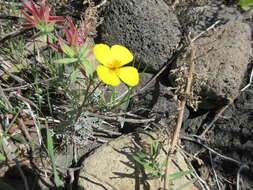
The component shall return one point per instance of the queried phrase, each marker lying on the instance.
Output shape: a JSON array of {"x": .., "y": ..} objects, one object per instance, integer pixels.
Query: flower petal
[
  {"x": 128, "y": 75},
  {"x": 103, "y": 54},
  {"x": 108, "y": 76},
  {"x": 121, "y": 54}
]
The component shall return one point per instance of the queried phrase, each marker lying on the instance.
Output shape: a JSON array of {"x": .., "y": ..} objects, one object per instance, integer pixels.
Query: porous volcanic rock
[
  {"x": 148, "y": 28},
  {"x": 155, "y": 101},
  {"x": 197, "y": 16},
  {"x": 222, "y": 58},
  {"x": 112, "y": 167}
]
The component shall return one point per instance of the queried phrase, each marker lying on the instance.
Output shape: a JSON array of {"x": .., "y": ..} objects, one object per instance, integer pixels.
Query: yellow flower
[{"x": 111, "y": 70}]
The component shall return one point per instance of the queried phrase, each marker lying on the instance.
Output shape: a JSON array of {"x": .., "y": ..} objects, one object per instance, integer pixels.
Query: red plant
[
  {"x": 74, "y": 37},
  {"x": 39, "y": 16}
]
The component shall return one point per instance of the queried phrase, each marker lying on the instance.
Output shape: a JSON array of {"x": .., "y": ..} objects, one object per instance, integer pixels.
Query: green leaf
[
  {"x": 178, "y": 175},
  {"x": 138, "y": 159},
  {"x": 149, "y": 168},
  {"x": 154, "y": 148},
  {"x": 50, "y": 150},
  {"x": 68, "y": 50},
  {"x": 19, "y": 139},
  {"x": 143, "y": 156},
  {"x": 15, "y": 68},
  {"x": 83, "y": 51},
  {"x": 162, "y": 164},
  {"x": 186, "y": 184},
  {"x": 245, "y": 2},
  {"x": 45, "y": 27},
  {"x": 73, "y": 76},
  {"x": 66, "y": 60},
  {"x": 89, "y": 68},
  {"x": 2, "y": 157},
  {"x": 6, "y": 186}
]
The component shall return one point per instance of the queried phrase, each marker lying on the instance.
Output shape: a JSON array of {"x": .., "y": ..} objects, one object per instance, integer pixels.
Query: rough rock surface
[
  {"x": 231, "y": 135},
  {"x": 112, "y": 166},
  {"x": 156, "y": 100},
  {"x": 148, "y": 28},
  {"x": 222, "y": 58},
  {"x": 197, "y": 17}
]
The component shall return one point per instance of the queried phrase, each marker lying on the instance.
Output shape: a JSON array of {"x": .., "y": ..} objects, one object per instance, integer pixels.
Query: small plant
[
  {"x": 40, "y": 18},
  {"x": 60, "y": 81},
  {"x": 148, "y": 159},
  {"x": 246, "y": 4}
]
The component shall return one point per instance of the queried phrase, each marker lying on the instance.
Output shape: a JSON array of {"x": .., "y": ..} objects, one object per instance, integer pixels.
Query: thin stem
[
  {"x": 87, "y": 97},
  {"x": 84, "y": 101},
  {"x": 175, "y": 138}
]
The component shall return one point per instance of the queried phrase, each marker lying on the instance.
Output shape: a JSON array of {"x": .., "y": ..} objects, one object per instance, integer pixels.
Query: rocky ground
[
  {"x": 153, "y": 30},
  {"x": 216, "y": 134}
]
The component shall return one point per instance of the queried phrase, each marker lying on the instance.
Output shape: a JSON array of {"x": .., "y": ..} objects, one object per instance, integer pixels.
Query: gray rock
[
  {"x": 222, "y": 58},
  {"x": 198, "y": 17},
  {"x": 156, "y": 101},
  {"x": 148, "y": 28},
  {"x": 112, "y": 166}
]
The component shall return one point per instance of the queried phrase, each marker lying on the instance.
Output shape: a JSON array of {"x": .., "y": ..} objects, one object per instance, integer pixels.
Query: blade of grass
[{"x": 50, "y": 149}]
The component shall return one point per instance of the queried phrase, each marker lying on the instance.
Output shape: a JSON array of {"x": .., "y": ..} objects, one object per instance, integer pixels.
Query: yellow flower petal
[
  {"x": 121, "y": 54},
  {"x": 129, "y": 75},
  {"x": 103, "y": 54},
  {"x": 108, "y": 76}
]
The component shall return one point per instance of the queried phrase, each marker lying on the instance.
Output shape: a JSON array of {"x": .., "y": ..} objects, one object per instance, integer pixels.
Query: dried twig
[
  {"x": 27, "y": 85},
  {"x": 215, "y": 174},
  {"x": 211, "y": 150},
  {"x": 120, "y": 119},
  {"x": 250, "y": 81},
  {"x": 180, "y": 116},
  {"x": 13, "y": 34},
  {"x": 217, "y": 115},
  {"x": 209, "y": 28},
  {"x": 201, "y": 182},
  {"x": 24, "y": 130}
]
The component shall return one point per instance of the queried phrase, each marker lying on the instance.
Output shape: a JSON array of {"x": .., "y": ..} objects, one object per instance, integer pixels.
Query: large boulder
[
  {"x": 197, "y": 16},
  {"x": 222, "y": 56},
  {"x": 112, "y": 167},
  {"x": 148, "y": 28}
]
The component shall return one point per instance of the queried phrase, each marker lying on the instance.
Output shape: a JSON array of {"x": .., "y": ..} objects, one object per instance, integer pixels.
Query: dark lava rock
[
  {"x": 148, "y": 28},
  {"x": 231, "y": 136},
  {"x": 222, "y": 58},
  {"x": 156, "y": 101},
  {"x": 196, "y": 17}
]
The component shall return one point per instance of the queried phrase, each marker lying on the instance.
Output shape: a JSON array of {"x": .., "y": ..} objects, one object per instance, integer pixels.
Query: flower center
[{"x": 115, "y": 64}]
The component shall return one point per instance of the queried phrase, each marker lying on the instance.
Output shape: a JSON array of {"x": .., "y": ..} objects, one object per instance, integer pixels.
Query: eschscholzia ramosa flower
[
  {"x": 40, "y": 18},
  {"x": 112, "y": 70}
]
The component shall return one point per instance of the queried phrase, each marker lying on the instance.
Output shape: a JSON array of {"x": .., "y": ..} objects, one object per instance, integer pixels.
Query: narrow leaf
[
  {"x": 66, "y": 60},
  {"x": 88, "y": 67},
  {"x": 245, "y": 2},
  {"x": 149, "y": 168},
  {"x": 50, "y": 149},
  {"x": 178, "y": 175},
  {"x": 68, "y": 50},
  {"x": 2, "y": 157},
  {"x": 73, "y": 75}
]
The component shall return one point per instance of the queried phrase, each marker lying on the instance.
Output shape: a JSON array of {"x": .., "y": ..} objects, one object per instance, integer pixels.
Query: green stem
[{"x": 84, "y": 100}]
